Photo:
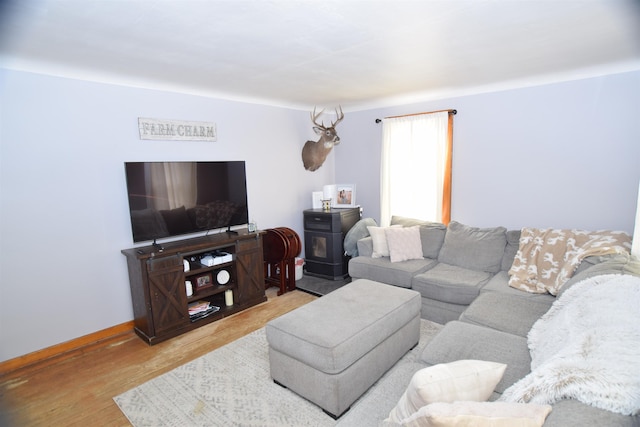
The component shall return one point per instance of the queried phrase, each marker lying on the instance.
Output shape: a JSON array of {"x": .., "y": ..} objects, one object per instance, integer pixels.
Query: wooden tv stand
[{"x": 157, "y": 280}]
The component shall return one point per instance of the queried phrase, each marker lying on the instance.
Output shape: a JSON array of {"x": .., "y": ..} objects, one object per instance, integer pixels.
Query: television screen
[{"x": 175, "y": 198}]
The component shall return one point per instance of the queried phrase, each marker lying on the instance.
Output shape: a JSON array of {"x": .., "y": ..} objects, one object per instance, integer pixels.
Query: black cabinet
[{"x": 324, "y": 233}]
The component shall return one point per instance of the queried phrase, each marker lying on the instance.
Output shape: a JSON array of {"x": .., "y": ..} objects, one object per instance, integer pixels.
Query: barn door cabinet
[{"x": 158, "y": 282}]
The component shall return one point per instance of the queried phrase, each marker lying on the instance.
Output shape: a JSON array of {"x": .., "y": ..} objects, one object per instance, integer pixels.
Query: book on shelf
[
  {"x": 200, "y": 309},
  {"x": 198, "y": 306}
]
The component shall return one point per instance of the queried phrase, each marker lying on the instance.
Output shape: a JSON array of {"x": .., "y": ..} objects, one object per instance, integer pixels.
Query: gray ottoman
[{"x": 333, "y": 349}]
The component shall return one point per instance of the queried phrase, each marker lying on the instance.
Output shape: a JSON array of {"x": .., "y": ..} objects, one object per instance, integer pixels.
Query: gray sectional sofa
[{"x": 463, "y": 281}]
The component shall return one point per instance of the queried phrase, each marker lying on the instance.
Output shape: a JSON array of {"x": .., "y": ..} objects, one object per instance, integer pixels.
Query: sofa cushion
[
  {"x": 595, "y": 266},
  {"x": 404, "y": 243},
  {"x": 404, "y": 221},
  {"x": 474, "y": 248},
  {"x": 440, "y": 312},
  {"x": 499, "y": 282},
  {"x": 448, "y": 382},
  {"x": 357, "y": 232},
  {"x": 506, "y": 313},
  {"x": 459, "y": 340},
  {"x": 450, "y": 283},
  {"x": 380, "y": 246},
  {"x": 385, "y": 271},
  {"x": 589, "y": 262},
  {"x": 431, "y": 233},
  {"x": 572, "y": 413},
  {"x": 479, "y": 414},
  {"x": 432, "y": 237},
  {"x": 510, "y": 251},
  {"x": 365, "y": 247}
]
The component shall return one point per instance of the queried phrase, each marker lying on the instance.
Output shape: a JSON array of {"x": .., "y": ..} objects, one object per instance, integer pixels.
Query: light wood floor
[{"x": 78, "y": 389}]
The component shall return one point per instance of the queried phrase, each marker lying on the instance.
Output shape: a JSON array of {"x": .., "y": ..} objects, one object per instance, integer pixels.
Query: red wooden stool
[{"x": 280, "y": 247}]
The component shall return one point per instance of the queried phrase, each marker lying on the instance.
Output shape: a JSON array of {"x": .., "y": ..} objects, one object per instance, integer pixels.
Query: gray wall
[
  {"x": 64, "y": 211},
  {"x": 562, "y": 155}
]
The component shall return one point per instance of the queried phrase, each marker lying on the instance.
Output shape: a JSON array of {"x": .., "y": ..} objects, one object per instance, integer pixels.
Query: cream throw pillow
[
  {"x": 479, "y": 414},
  {"x": 404, "y": 243},
  {"x": 448, "y": 382},
  {"x": 379, "y": 238}
]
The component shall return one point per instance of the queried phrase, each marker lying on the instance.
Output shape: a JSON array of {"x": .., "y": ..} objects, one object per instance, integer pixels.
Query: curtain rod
[{"x": 454, "y": 112}]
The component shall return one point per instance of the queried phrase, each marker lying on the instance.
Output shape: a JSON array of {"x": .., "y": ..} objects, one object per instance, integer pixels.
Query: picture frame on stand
[
  {"x": 204, "y": 281},
  {"x": 345, "y": 196}
]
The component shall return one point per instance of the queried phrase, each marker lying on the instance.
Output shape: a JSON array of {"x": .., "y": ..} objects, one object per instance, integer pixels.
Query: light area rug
[{"x": 231, "y": 386}]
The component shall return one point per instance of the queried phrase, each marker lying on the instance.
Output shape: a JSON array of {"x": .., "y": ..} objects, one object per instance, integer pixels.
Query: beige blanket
[{"x": 547, "y": 258}]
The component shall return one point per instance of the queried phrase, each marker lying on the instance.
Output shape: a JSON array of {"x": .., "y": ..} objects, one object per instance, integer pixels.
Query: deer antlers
[{"x": 314, "y": 118}]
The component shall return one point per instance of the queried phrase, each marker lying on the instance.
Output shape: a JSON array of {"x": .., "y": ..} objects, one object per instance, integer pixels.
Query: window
[{"x": 416, "y": 166}]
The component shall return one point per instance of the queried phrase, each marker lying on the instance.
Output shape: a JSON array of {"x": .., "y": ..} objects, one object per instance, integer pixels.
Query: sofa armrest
[{"x": 365, "y": 247}]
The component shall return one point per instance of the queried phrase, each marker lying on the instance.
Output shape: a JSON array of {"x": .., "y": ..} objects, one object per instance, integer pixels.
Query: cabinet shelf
[
  {"x": 208, "y": 292},
  {"x": 204, "y": 269}
]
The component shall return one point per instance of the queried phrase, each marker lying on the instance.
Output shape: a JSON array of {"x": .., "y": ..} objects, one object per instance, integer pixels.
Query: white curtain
[
  {"x": 414, "y": 154},
  {"x": 173, "y": 185},
  {"x": 635, "y": 241}
]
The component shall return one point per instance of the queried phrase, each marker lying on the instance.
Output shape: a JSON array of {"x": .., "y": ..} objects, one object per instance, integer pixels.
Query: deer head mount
[{"x": 314, "y": 153}]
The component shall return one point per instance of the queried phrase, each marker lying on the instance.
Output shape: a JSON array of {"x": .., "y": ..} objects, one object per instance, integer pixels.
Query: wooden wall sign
[{"x": 176, "y": 130}]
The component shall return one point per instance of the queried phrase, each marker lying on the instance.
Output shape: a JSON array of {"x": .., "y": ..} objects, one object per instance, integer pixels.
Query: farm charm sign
[{"x": 176, "y": 130}]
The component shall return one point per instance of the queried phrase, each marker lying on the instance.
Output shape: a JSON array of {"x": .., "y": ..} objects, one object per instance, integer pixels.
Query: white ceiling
[{"x": 357, "y": 53}]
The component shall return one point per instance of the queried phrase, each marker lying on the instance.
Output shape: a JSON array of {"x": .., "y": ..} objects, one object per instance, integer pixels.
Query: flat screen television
[{"x": 169, "y": 199}]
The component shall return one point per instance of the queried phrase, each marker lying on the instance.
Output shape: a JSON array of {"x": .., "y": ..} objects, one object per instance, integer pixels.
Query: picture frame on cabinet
[
  {"x": 345, "y": 196},
  {"x": 204, "y": 281}
]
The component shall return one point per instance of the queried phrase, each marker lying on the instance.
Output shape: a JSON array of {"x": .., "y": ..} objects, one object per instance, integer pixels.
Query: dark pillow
[
  {"x": 177, "y": 220},
  {"x": 357, "y": 232},
  {"x": 191, "y": 213},
  {"x": 479, "y": 249},
  {"x": 148, "y": 224},
  {"x": 216, "y": 214}
]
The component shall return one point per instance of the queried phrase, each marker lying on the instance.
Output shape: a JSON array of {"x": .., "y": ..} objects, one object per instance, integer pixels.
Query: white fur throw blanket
[
  {"x": 547, "y": 258},
  {"x": 587, "y": 348}
]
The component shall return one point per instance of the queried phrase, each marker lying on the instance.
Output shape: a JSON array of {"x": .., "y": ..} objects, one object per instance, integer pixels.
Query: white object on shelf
[
  {"x": 207, "y": 261},
  {"x": 228, "y": 297},
  {"x": 329, "y": 192},
  {"x": 299, "y": 263},
  {"x": 316, "y": 199},
  {"x": 222, "y": 258},
  {"x": 223, "y": 277}
]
